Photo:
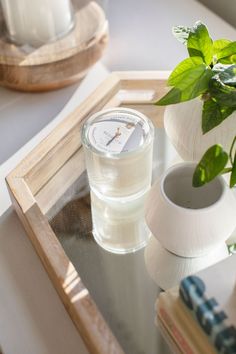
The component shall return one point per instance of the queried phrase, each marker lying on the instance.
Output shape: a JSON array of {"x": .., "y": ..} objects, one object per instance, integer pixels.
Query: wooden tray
[{"x": 38, "y": 182}]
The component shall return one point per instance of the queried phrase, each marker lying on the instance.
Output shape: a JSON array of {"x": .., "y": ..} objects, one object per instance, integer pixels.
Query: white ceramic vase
[
  {"x": 190, "y": 221},
  {"x": 182, "y": 123}
]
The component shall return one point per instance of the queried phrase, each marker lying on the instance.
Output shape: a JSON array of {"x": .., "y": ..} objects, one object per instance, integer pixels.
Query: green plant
[
  {"x": 213, "y": 163},
  {"x": 208, "y": 73}
]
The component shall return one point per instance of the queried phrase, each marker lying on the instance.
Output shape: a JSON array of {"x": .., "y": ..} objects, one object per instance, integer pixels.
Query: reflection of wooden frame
[{"x": 49, "y": 170}]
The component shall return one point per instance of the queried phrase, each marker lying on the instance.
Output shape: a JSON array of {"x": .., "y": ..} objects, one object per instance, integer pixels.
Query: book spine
[
  {"x": 212, "y": 320},
  {"x": 175, "y": 332}
]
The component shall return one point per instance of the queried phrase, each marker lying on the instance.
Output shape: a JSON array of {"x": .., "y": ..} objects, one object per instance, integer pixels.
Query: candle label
[{"x": 118, "y": 134}]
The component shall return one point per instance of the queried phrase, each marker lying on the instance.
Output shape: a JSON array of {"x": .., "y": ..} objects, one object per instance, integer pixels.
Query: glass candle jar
[
  {"x": 118, "y": 224},
  {"x": 35, "y": 22},
  {"x": 118, "y": 146}
]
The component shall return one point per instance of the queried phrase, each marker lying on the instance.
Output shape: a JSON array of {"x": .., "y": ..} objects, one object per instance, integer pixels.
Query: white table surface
[{"x": 32, "y": 317}]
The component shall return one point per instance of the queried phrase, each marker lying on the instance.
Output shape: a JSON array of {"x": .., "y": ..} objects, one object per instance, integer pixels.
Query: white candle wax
[
  {"x": 118, "y": 151},
  {"x": 119, "y": 225},
  {"x": 35, "y": 22}
]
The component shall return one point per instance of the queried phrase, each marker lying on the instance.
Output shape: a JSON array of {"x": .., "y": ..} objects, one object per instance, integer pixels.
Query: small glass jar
[
  {"x": 118, "y": 146},
  {"x": 35, "y": 22},
  {"x": 119, "y": 225}
]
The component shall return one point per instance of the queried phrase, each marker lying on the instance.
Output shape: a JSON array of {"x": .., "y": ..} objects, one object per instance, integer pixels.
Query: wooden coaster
[{"x": 56, "y": 64}]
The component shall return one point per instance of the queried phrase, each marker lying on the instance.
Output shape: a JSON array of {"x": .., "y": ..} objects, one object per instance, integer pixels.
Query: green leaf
[
  {"x": 194, "y": 85},
  {"x": 233, "y": 59},
  {"x": 173, "y": 96},
  {"x": 228, "y": 76},
  {"x": 213, "y": 114},
  {"x": 232, "y": 248},
  {"x": 196, "y": 81},
  {"x": 181, "y": 33},
  {"x": 219, "y": 44},
  {"x": 210, "y": 166},
  {"x": 232, "y": 182},
  {"x": 227, "y": 51},
  {"x": 183, "y": 69},
  {"x": 225, "y": 95},
  {"x": 219, "y": 67},
  {"x": 199, "y": 43},
  {"x": 229, "y": 60}
]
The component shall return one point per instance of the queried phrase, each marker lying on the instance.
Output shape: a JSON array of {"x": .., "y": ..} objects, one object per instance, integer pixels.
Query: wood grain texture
[
  {"x": 51, "y": 154},
  {"x": 38, "y": 182},
  {"x": 61, "y": 181},
  {"x": 59, "y": 63},
  {"x": 76, "y": 298}
]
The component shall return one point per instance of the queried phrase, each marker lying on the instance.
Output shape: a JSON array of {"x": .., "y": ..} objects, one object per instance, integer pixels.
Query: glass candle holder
[
  {"x": 118, "y": 146},
  {"x": 49, "y": 44},
  {"x": 118, "y": 224},
  {"x": 35, "y": 22}
]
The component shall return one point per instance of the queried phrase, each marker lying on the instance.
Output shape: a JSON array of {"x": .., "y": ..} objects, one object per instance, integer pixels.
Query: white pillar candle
[
  {"x": 35, "y": 22},
  {"x": 118, "y": 151},
  {"x": 119, "y": 225}
]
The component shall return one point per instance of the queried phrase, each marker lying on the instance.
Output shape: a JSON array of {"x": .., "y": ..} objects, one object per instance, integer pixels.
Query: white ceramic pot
[
  {"x": 182, "y": 123},
  {"x": 167, "y": 269},
  {"x": 190, "y": 221}
]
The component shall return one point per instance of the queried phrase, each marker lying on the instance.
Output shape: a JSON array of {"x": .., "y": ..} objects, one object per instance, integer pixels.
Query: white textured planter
[
  {"x": 190, "y": 221},
  {"x": 167, "y": 269},
  {"x": 182, "y": 123}
]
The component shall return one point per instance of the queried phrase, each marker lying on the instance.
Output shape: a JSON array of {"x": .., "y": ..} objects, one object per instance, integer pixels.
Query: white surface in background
[
  {"x": 141, "y": 36},
  {"x": 27, "y": 113},
  {"x": 32, "y": 318}
]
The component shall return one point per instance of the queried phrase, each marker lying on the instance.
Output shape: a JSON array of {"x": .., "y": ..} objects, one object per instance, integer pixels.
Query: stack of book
[{"x": 199, "y": 316}]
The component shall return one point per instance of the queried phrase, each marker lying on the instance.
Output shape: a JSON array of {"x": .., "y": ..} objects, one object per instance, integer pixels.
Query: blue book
[{"x": 210, "y": 296}]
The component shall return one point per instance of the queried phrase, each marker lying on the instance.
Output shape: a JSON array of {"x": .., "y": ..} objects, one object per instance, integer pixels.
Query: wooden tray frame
[{"x": 33, "y": 189}]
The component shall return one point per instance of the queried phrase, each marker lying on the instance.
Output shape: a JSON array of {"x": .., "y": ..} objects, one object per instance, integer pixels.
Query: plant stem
[
  {"x": 231, "y": 151},
  {"x": 226, "y": 170}
]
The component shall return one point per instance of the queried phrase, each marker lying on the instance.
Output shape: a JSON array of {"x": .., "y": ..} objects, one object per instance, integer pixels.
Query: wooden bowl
[{"x": 59, "y": 63}]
